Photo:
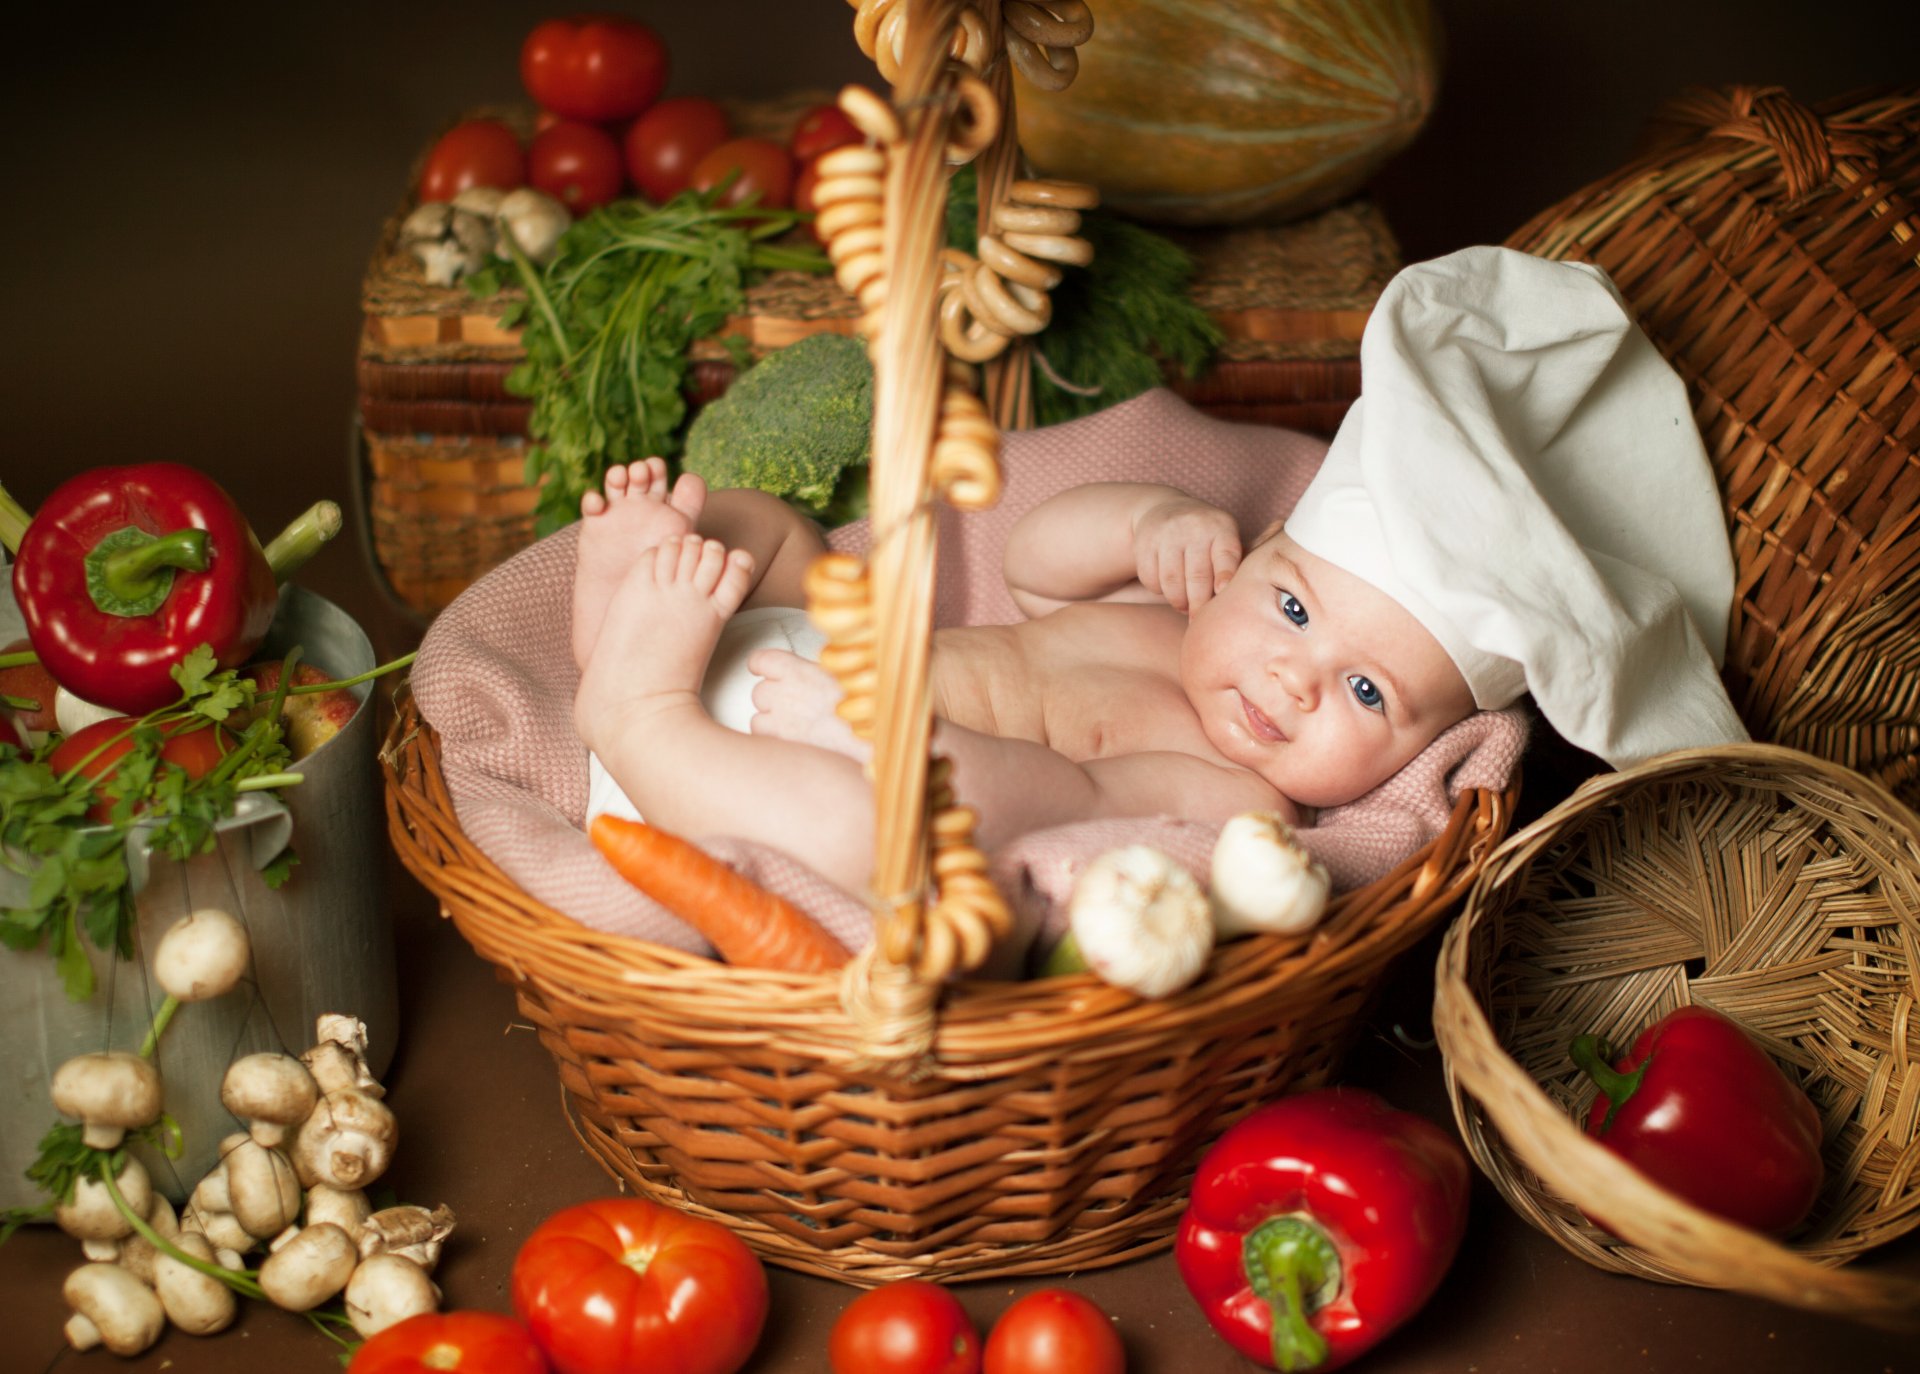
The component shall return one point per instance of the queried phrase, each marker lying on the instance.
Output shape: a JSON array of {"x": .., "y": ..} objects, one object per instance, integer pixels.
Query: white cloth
[
  {"x": 726, "y": 691},
  {"x": 1522, "y": 472}
]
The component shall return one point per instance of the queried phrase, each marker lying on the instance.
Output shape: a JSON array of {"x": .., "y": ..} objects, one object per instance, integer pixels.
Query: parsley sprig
[
  {"x": 78, "y": 880},
  {"x": 607, "y": 323}
]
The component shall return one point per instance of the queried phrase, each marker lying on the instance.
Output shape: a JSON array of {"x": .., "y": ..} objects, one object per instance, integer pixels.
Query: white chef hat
[{"x": 1523, "y": 474}]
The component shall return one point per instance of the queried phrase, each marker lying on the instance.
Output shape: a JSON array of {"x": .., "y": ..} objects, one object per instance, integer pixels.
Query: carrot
[{"x": 747, "y": 924}]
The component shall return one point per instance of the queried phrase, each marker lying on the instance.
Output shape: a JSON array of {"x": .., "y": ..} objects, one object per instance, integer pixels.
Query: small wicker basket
[
  {"x": 1774, "y": 887},
  {"x": 903, "y": 1120}
]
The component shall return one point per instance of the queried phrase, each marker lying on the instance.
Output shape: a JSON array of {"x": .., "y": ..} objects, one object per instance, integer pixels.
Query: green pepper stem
[
  {"x": 1590, "y": 1053},
  {"x": 1291, "y": 1264},
  {"x": 13, "y": 521},
  {"x": 19, "y": 659},
  {"x": 131, "y": 573},
  {"x": 302, "y": 539}
]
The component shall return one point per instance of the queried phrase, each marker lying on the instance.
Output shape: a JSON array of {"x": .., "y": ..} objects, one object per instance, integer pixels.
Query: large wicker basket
[
  {"x": 1777, "y": 888},
  {"x": 1769, "y": 250},
  {"x": 903, "y": 1120}
]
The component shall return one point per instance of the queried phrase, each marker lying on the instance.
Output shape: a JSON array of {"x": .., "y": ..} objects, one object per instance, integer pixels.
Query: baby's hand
[
  {"x": 795, "y": 699},
  {"x": 1184, "y": 551}
]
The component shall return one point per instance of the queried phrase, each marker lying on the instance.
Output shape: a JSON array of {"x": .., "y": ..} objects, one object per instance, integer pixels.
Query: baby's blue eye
[
  {"x": 1366, "y": 693},
  {"x": 1291, "y": 608}
]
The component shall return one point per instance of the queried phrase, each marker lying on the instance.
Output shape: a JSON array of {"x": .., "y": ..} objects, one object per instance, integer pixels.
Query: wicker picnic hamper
[
  {"x": 1769, "y": 250},
  {"x": 440, "y": 442},
  {"x": 903, "y": 1120},
  {"x": 1775, "y": 887}
]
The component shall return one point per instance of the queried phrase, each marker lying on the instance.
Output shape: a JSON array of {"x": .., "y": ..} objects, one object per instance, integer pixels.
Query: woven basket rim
[{"x": 1669, "y": 1238}]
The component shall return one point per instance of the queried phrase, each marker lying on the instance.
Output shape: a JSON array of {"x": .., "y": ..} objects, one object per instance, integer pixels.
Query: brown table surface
[{"x": 482, "y": 1129}]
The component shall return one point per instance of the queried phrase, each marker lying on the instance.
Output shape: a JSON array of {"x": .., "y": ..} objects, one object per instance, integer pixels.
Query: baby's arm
[
  {"x": 1120, "y": 541},
  {"x": 1019, "y": 786}
]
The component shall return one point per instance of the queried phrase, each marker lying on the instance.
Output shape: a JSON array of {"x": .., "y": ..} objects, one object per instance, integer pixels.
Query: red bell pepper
[
  {"x": 1701, "y": 1110},
  {"x": 123, "y": 571},
  {"x": 1319, "y": 1224}
]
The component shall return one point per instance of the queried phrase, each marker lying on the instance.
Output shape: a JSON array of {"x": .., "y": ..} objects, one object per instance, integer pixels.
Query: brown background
[{"x": 191, "y": 201}]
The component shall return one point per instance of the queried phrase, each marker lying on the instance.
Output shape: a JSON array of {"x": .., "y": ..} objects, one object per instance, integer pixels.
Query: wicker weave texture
[
  {"x": 1058, "y": 1125},
  {"x": 1776, "y": 888},
  {"x": 1770, "y": 252}
]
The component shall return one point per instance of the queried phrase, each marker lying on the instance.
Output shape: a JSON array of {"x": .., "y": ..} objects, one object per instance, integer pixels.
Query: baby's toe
[{"x": 592, "y": 503}]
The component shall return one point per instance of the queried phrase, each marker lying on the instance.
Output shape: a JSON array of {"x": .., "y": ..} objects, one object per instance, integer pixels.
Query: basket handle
[
  {"x": 882, "y": 209},
  {"x": 1807, "y": 146}
]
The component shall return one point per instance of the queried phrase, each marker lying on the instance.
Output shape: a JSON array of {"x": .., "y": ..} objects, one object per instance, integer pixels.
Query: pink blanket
[{"x": 495, "y": 677}]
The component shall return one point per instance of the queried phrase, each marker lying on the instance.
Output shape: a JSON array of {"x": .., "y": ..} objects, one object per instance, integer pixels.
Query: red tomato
[
  {"x": 803, "y": 196},
  {"x": 821, "y": 129},
  {"x": 762, "y": 171},
  {"x": 198, "y": 748},
  {"x": 469, "y": 1342},
  {"x": 1054, "y": 1331},
  {"x": 668, "y": 141},
  {"x": 475, "y": 152},
  {"x": 910, "y": 1327},
  {"x": 597, "y": 69},
  {"x": 29, "y": 682},
  {"x": 624, "y": 1284},
  {"x": 577, "y": 164}
]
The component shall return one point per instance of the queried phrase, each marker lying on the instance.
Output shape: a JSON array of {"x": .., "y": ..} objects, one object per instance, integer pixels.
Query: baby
[{"x": 1513, "y": 505}]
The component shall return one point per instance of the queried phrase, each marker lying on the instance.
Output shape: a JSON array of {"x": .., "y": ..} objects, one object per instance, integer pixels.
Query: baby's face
[{"x": 1315, "y": 679}]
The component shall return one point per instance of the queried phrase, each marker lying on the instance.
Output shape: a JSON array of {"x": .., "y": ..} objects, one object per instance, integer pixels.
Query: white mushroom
[
  {"x": 448, "y": 243},
  {"x": 347, "y": 1142},
  {"x": 137, "y": 1252},
  {"x": 210, "y": 1208},
  {"x": 263, "y": 1191},
  {"x": 1139, "y": 920},
  {"x": 111, "y": 1091},
  {"x": 534, "y": 220},
  {"x": 202, "y": 955},
  {"x": 1263, "y": 879},
  {"x": 387, "y": 1289},
  {"x": 90, "y": 1215},
  {"x": 346, "y": 1208},
  {"x": 480, "y": 200},
  {"x": 411, "y": 1232},
  {"x": 338, "y": 1058},
  {"x": 196, "y": 1302},
  {"x": 271, "y": 1092},
  {"x": 112, "y": 1308},
  {"x": 74, "y": 714},
  {"x": 309, "y": 1267}
]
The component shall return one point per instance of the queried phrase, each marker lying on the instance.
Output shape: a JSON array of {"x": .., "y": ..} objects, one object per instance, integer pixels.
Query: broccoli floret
[{"x": 798, "y": 424}]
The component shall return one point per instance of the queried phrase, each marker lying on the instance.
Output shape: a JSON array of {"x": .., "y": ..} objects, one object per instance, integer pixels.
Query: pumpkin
[{"x": 1235, "y": 111}]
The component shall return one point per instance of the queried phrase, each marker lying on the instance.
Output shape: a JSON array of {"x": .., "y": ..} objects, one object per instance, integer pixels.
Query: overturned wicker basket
[
  {"x": 1774, "y": 887},
  {"x": 901, "y": 1120}
]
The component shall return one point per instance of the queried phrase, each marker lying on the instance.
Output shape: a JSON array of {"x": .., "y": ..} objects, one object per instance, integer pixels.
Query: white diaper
[{"x": 727, "y": 691}]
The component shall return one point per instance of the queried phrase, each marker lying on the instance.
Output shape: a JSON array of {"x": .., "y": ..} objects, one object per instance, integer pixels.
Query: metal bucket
[{"x": 321, "y": 942}]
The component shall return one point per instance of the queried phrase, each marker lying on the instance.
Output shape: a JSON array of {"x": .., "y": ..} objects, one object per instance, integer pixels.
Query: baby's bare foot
[
  {"x": 635, "y": 513},
  {"x": 659, "y": 631}
]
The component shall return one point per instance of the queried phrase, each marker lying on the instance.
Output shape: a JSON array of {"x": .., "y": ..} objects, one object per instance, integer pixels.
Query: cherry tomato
[
  {"x": 467, "y": 1342},
  {"x": 198, "y": 748},
  {"x": 29, "y": 682},
  {"x": 599, "y": 69},
  {"x": 577, "y": 164},
  {"x": 821, "y": 129},
  {"x": 762, "y": 171},
  {"x": 910, "y": 1327},
  {"x": 626, "y": 1284},
  {"x": 474, "y": 152},
  {"x": 1054, "y": 1331},
  {"x": 668, "y": 141}
]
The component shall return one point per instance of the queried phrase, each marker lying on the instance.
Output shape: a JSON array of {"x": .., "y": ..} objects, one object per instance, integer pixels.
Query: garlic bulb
[
  {"x": 1140, "y": 921},
  {"x": 1263, "y": 880}
]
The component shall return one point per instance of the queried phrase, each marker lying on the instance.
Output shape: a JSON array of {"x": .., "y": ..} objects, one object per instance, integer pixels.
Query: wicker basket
[
  {"x": 1777, "y": 888},
  {"x": 445, "y": 442},
  {"x": 1769, "y": 251},
  {"x": 902, "y": 1120}
]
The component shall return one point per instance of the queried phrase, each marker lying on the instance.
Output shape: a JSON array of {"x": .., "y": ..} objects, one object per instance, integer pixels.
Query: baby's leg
[
  {"x": 782, "y": 541},
  {"x": 635, "y": 513},
  {"x": 639, "y": 709}
]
